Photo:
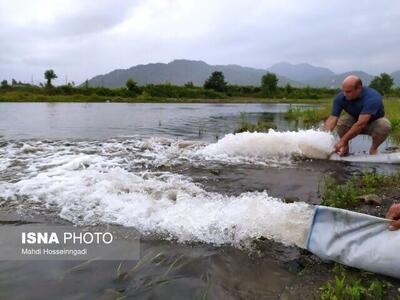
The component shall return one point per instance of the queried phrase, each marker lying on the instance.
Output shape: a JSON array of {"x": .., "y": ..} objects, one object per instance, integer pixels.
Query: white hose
[{"x": 355, "y": 239}]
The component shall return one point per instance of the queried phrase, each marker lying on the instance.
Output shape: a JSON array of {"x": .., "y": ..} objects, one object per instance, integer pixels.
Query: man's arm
[
  {"x": 394, "y": 214},
  {"x": 353, "y": 132},
  {"x": 356, "y": 128},
  {"x": 330, "y": 123}
]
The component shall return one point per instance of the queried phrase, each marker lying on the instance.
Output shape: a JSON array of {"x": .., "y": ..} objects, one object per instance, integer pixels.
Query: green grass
[
  {"x": 260, "y": 126},
  {"x": 160, "y": 93},
  {"x": 17, "y": 96},
  {"x": 29, "y": 97},
  {"x": 346, "y": 195},
  {"x": 353, "y": 286},
  {"x": 339, "y": 195},
  {"x": 392, "y": 112},
  {"x": 309, "y": 116},
  {"x": 293, "y": 113}
]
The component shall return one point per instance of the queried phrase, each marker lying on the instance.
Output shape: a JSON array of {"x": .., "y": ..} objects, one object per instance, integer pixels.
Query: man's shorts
[{"x": 380, "y": 127}]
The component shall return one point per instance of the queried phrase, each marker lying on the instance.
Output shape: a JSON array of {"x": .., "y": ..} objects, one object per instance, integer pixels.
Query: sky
[{"x": 80, "y": 39}]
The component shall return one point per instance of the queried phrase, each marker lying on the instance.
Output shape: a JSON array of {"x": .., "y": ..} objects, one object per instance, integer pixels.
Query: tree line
[{"x": 214, "y": 87}]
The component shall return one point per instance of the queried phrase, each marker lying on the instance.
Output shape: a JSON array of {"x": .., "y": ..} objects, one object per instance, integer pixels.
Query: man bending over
[{"x": 365, "y": 115}]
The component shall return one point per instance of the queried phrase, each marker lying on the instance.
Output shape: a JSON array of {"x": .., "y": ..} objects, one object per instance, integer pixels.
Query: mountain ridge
[{"x": 181, "y": 71}]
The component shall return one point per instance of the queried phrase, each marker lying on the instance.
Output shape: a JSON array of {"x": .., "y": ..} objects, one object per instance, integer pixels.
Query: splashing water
[
  {"x": 273, "y": 145},
  {"x": 89, "y": 182},
  {"x": 90, "y": 189}
]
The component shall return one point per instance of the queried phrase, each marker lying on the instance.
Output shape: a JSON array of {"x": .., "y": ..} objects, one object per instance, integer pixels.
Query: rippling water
[{"x": 104, "y": 120}]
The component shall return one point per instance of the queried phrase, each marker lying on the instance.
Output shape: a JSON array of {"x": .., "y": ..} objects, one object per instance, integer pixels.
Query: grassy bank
[
  {"x": 360, "y": 193},
  {"x": 347, "y": 195},
  {"x": 310, "y": 116},
  {"x": 162, "y": 92},
  {"x": 260, "y": 126},
  {"x": 145, "y": 98},
  {"x": 354, "y": 284},
  {"x": 392, "y": 111}
]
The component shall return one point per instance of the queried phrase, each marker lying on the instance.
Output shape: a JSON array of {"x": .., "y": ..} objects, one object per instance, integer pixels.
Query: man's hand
[
  {"x": 394, "y": 214},
  {"x": 342, "y": 148},
  {"x": 330, "y": 123}
]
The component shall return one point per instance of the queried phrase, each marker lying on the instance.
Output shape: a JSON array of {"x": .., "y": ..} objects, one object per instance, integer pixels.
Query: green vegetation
[
  {"x": 132, "y": 87},
  {"x": 285, "y": 94},
  {"x": 130, "y": 93},
  {"x": 214, "y": 87},
  {"x": 4, "y": 84},
  {"x": 49, "y": 75},
  {"x": 340, "y": 195},
  {"x": 392, "y": 112},
  {"x": 353, "y": 285},
  {"x": 260, "y": 126},
  {"x": 269, "y": 84},
  {"x": 382, "y": 83},
  {"x": 347, "y": 195},
  {"x": 156, "y": 92},
  {"x": 189, "y": 84},
  {"x": 216, "y": 82},
  {"x": 309, "y": 116}
]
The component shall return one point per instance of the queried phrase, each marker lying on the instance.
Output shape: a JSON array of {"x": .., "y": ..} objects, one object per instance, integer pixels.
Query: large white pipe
[
  {"x": 356, "y": 240},
  {"x": 385, "y": 158}
]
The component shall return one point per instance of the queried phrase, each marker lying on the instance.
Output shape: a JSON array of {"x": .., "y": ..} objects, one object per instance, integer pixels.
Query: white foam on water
[
  {"x": 272, "y": 149},
  {"x": 88, "y": 182},
  {"x": 272, "y": 145},
  {"x": 90, "y": 189},
  {"x": 4, "y": 164},
  {"x": 28, "y": 148}
]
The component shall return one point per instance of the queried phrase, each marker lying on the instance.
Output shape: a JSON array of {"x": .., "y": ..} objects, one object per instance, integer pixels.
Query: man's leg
[
  {"x": 379, "y": 130},
  {"x": 344, "y": 124}
]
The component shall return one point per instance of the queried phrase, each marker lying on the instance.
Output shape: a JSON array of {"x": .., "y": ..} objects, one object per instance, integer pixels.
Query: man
[
  {"x": 365, "y": 115},
  {"x": 394, "y": 215}
]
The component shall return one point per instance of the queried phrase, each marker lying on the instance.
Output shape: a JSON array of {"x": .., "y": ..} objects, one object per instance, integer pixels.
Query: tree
[
  {"x": 216, "y": 82},
  {"x": 269, "y": 84},
  {"x": 288, "y": 89},
  {"x": 189, "y": 84},
  {"x": 132, "y": 87},
  {"x": 382, "y": 83},
  {"x": 4, "y": 84},
  {"x": 13, "y": 82},
  {"x": 86, "y": 84},
  {"x": 49, "y": 75}
]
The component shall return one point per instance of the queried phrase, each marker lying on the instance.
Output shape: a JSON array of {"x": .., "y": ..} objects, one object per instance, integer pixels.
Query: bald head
[
  {"x": 352, "y": 81},
  {"x": 352, "y": 87}
]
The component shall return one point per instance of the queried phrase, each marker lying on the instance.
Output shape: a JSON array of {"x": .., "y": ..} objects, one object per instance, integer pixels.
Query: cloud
[
  {"x": 84, "y": 38},
  {"x": 57, "y": 18}
]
